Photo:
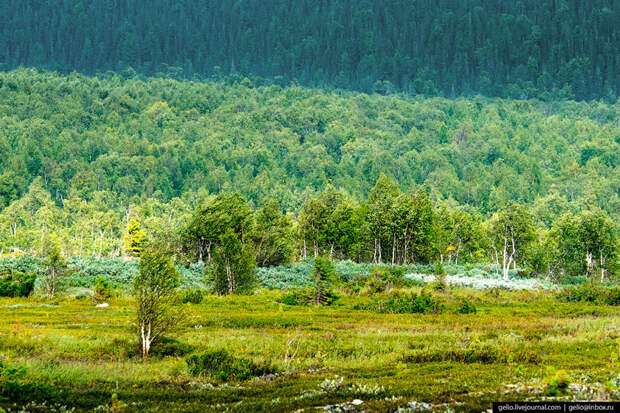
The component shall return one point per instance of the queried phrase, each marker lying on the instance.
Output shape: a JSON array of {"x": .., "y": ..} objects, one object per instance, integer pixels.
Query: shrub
[
  {"x": 192, "y": 296},
  {"x": 557, "y": 382},
  {"x": 14, "y": 388},
  {"x": 384, "y": 278},
  {"x": 324, "y": 274},
  {"x": 170, "y": 347},
  {"x": 466, "y": 307},
  {"x": 591, "y": 292},
  {"x": 612, "y": 297},
  {"x": 103, "y": 290},
  {"x": 225, "y": 367},
  {"x": 472, "y": 354},
  {"x": 307, "y": 297},
  {"x": 440, "y": 270},
  {"x": 441, "y": 281},
  {"x": 402, "y": 303},
  {"x": 17, "y": 284}
]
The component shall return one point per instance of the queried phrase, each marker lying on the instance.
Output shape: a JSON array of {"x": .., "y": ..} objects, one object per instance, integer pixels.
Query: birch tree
[
  {"x": 155, "y": 295},
  {"x": 233, "y": 265},
  {"x": 512, "y": 230},
  {"x": 54, "y": 263}
]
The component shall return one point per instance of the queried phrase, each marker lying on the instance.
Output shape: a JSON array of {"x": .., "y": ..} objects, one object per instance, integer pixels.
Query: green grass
[{"x": 462, "y": 361}]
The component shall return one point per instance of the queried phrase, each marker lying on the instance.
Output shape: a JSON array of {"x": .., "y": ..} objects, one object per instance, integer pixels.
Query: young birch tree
[
  {"x": 155, "y": 295},
  {"x": 512, "y": 230}
]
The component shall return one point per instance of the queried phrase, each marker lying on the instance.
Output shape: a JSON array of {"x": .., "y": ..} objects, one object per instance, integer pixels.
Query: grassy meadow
[{"x": 517, "y": 345}]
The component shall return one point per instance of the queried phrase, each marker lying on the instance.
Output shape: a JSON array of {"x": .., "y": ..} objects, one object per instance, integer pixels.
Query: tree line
[
  {"x": 517, "y": 49},
  {"x": 389, "y": 226}
]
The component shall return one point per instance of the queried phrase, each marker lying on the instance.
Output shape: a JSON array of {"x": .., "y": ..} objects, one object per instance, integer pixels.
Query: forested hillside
[
  {"x": 516, "y": 49},
  {"x": 84, "y": 156}
]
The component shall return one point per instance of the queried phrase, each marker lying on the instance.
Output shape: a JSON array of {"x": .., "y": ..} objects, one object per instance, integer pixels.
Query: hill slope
[
  {"x": 164, "y": 138},
  {"x": 494, "y": 47}
]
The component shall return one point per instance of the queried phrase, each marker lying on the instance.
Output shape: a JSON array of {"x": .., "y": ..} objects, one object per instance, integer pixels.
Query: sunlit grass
[{"x": 81, "y": 351}]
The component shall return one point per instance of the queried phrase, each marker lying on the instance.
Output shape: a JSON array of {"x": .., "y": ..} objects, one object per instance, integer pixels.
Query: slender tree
[{"x": 155, "y": 294}]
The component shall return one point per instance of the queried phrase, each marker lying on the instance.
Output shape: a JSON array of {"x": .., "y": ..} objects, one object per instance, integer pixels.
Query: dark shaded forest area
[{"x": 516, "y": 49}]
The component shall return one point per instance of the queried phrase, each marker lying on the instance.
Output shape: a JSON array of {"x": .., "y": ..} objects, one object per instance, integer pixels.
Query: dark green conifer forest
[{"x": 516, "y": 49}]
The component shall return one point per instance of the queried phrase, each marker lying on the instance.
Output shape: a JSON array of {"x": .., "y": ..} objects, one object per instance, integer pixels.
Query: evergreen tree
[{"x": 134, "y": 239}]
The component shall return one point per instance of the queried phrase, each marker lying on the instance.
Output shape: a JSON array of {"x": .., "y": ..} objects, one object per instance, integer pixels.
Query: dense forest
[
  {"x": 104, "y": 162},
  {"x": 511, "y": 49}
]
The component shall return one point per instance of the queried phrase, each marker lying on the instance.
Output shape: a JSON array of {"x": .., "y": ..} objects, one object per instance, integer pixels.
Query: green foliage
[
  {"x": 307, "y": 296},
  {"x": 214, "y": 221},
  {"x": 233, "y": 265},
  {"x": 449, "y": 48},
  {"x": 384, "y": 278},
  {"x": 273, "y": 235},
  {"x": 134, "y": 239},
  {"x": 54, "y": 264},
  {"x": 154, "y": 289},
  {"x": 476, "y": 353},
  {"x": 586, "y": 244},
  {"x": 14, "y": 388},
  {"x": 170, "y": 347},
  {"x": 466, "y": 307},
  {"x": 439, "y": 270},
  {"x": 323, "y": 275},
  {"x": 16, "y": 284},
  {"x": 409, "y": 303},
  {"x": 192, "y": 296},
  {"x": 557, "y": 382},
  {"x": 103, "y": 290},
  {"x": 223, "y": 366},
  {"x": 591, "y": 292},
  {"x": 155, "y": 163},
  {"x": 512, "y": 232}
]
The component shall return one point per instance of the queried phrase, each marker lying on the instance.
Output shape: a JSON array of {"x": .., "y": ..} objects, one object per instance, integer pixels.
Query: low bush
[
  {"x": 473, "y": 354},
  {"x": 170, "y": 347},
  {"x": 192, "y": 296},
  {"x": 14, "y": 388},
  {"x": 556, "y": 382},
  {"x": 123, "y": 348},
  {"x": 84, "y": 272},
  {"x": 591, "y": 292},
  {"x": 306, "y": 296},
  {"x": 403, "y": 303},
  {"x": 384, "y": 278},
  {"x": 103, "y": 290},
  {"x": 225, "y": 367},
  {"x": 16, "y": 284},
  {"x": 466, "y": 307}
]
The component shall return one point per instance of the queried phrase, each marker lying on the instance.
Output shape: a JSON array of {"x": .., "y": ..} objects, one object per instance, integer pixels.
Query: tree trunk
[
  {"x": 602, "y": 269},
  {"x": 145, "y": 334},
  {"x": 374, "y": 255},
  {"x": 231, "y": 287},
  {"x": 393, "y": 248}
]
